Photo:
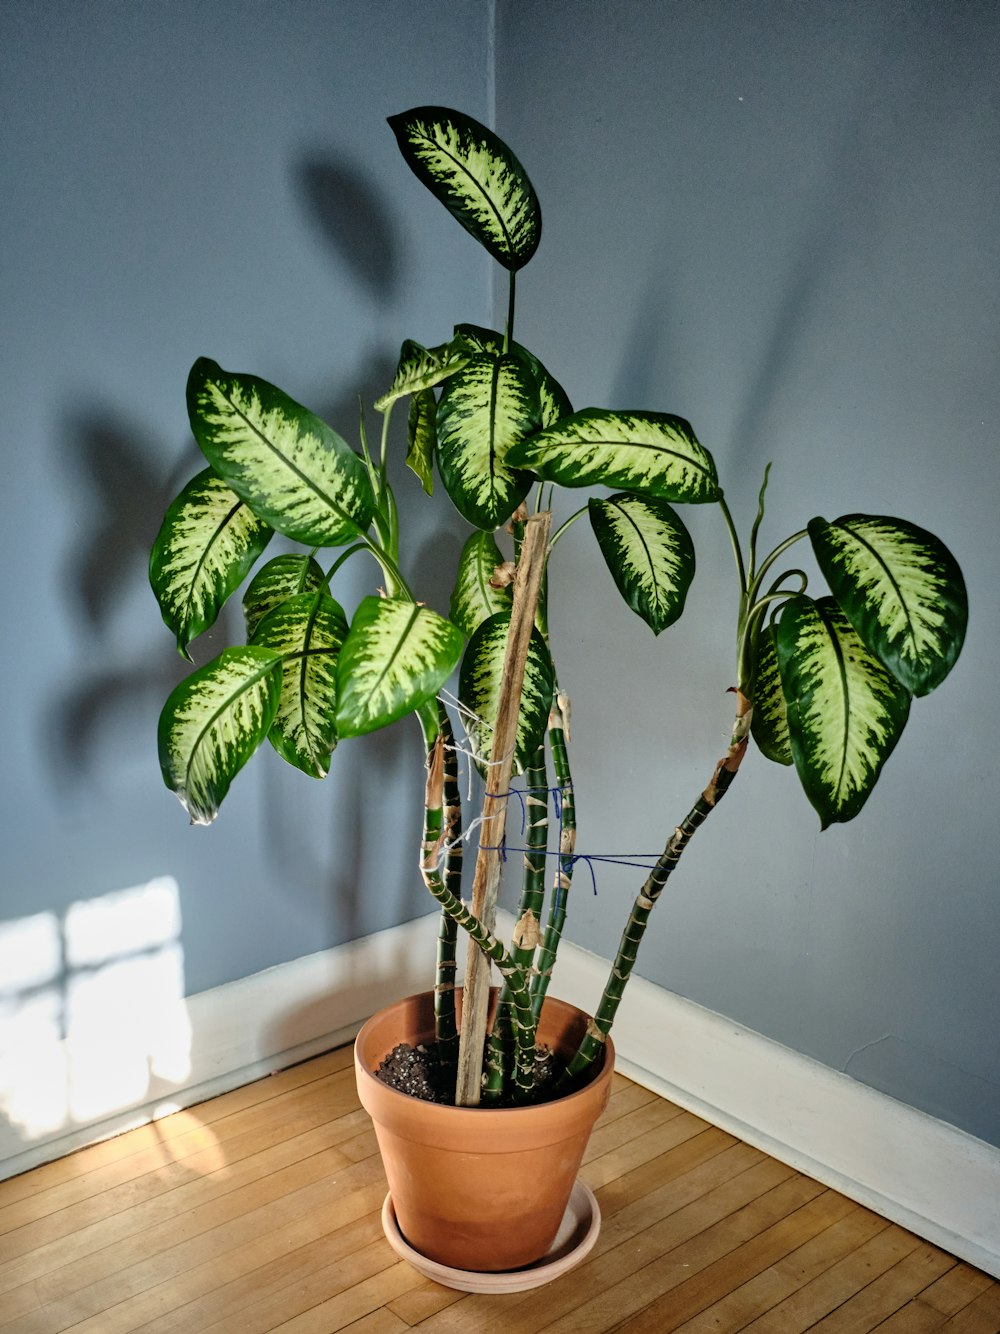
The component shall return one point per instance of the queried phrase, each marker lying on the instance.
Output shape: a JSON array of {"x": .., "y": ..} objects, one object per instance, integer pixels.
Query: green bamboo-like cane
[
  {"x": 545, "y": 962},
  {"x": 646, "y": 900},
  {"x": 526, "y": 931},
  {"x": 445, "y": 1026}
]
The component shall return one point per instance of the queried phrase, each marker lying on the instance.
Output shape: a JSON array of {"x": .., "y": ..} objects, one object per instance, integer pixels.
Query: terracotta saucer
[{"x": 575, "y": 1238}]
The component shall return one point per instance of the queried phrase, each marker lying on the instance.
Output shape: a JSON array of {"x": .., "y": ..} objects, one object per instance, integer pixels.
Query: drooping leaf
[
  {"x": 306, "y": 631},
  {"x": 287, "y": 464},
  {"x": 474, "y": 599},
  {"x": 769, "y": 721},
  {"x": 553, "y": 399},
  {"x": 845, "y": 710},
  {"x": 649, "y": 553},
  {"x": 484, "y": 409},
  {"x": 479, "y": 690},
  {"x": 395, "y": 658},
  {"x": 649, "y": 452},
  {"x": 213, "y": 722},
  {"x": 421, "y": 437},
  {"x": 902, "y": 590},
  {"x": 281, "y": 578},
  {"x": 206, "y": 545},
  {"x": 477, "y": 178},
  {"x": 422, "y": 368}
]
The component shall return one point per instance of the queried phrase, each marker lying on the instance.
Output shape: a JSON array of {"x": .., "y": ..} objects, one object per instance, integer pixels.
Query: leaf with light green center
[
  {"x": 292, "y": 469},
  {"x": 213, "y": 722},
  {"x": 421, "y": 368},
  {"x": 307, "y": 632},
  {"x": 206, "y": 546},
  {"x": 845, "y": 710},
  {"x": 421, "y": 437},
  {"x": 652, "y": 453},
  {"x": 553, "y": 400},
  {"x": 477, "y": 178},
  {"x": 484, "y": 409},
  {"x": 649, "y": 553},
  {"x": 769, "y": 721},
  {"x": 474, "y": 598},
  {"x": 281, "y": 578},
  {"x": 479, "y": 684},
  {"x": 396, "y": 657},
  {"x": 901, "y": 589}
]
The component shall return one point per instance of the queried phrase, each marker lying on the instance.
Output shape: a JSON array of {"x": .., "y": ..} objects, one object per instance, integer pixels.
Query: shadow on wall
[
  {"x": 92, "y": 1013},
  {"x": 353, "y": 221}
]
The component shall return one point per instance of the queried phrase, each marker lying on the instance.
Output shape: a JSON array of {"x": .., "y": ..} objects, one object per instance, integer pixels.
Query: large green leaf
[
  {"x": 421, "y": 437},
  {"x": 306, "y": 631},
  {"x": 484, "y": 409},
  {"x": 902, "y": 591},
  {"x": 213, "y": 722},
  {"x": 422, "y": 368},
  {"x": 769, "y": 720},
  {"x": 477, "y": 178},
  {"x": 395, "y": 658},
  {"x": 553, "y": 400},
  {"x": 474, "y": 598},
  {"x": 287, "y": 464},
  {"x": 649, "y": 553},
  {"x": 479, "y": 690},
  {"x": 649, "y": 452},
  {"x": 281, "y": 578},
  {"x": 207, "y": 543},
  {"x": 845, "y": 710}
]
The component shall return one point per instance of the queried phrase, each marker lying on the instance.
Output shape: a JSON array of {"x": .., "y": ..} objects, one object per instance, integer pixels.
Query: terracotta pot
[{"x": 478, "y": 1188}]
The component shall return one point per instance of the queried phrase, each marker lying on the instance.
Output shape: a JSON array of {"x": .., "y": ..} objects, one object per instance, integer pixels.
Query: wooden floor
[{"x": 259, "y": 1211}]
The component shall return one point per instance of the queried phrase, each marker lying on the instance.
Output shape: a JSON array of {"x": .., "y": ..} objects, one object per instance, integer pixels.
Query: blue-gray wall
[
  {"x": 780, "y": 221},
  {"x": 183, "y": 179},
  {"x": 777, "y": 220}
]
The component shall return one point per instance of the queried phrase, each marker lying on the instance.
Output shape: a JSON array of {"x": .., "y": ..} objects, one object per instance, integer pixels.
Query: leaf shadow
[{"x": 347, "y": 212}]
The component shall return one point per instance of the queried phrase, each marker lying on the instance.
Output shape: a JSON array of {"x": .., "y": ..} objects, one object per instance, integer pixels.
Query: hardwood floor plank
[
  {"x": 259, "y": 1212},
  {"x": 886, "y": 1294}
]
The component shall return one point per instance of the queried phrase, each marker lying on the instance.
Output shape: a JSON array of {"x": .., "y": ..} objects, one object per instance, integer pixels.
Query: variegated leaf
[
  {"x": 479, "y": 690},
  {"x": 396, "y": 657},
  {"x": 213, "y": 722},
  {"x": 484, "y": 409},
  {"x": 649, "y": 452},
  {"x": 649, "y": 553},
  {"x": 306, "y": 631},
  {"x": 477, "y": 178},
  {"x": 902, "y": 591},
  {"x": 421, "y": 437},
  {"x": 207, "y": 543},
  {"x": 422, "y": 368},
  {"x": 769, "y": 721},
  {"x": 553, "y": 399},
  {"x": 287, "y": 464},
  {"x": 281, "y": 578},
  {"x": 474, "y": 598},
  {"x": 845, "y": 710}
]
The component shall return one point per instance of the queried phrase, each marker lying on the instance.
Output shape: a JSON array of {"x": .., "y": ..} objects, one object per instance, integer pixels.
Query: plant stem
[
  {"x": 526, "y": 932},
  {"x": 545, "y": 962},
  {"x": 508, "y": 336},
  {"x": 445, "y": 1026},
  {"x": 562, "y": 527},
  {"x": 646, "y": 900}
]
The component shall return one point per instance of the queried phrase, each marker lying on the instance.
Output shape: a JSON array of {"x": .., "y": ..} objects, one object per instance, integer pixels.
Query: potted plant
[{"x": 824, "y": 684}]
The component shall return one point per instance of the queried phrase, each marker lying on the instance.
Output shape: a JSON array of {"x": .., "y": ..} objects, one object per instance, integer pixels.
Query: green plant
[{"x": 824, "y": 684}]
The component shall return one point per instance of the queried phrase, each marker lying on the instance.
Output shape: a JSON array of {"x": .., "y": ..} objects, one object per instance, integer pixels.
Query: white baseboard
[
  {"x": 247, "y": 1029},
  {"x": 917, "y": 1171},
  {"x": 922, "y": 1173}
]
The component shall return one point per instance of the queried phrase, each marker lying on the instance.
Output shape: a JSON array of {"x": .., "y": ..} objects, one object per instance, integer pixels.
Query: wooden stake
[{"x": 486, "y": 881}]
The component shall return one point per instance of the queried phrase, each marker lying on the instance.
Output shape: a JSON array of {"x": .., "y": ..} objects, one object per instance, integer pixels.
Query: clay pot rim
[{"x": 441, "y": 1111}]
